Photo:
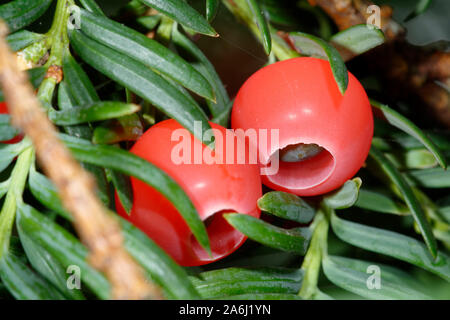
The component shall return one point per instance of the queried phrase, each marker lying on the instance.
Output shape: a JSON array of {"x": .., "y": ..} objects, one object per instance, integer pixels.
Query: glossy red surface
[
  {"x": 300, "y": 98},
  {"x": 213, "y": 188}
]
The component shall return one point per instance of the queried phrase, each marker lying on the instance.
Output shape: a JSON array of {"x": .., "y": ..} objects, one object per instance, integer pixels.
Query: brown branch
[
  {"x": 97, "y": 229},
  {"x": 341, "y": 11},
  {"x": 436, "y": 66},
  {"x": 410, "y": 71},
  {"x": 347, "y": 13}
]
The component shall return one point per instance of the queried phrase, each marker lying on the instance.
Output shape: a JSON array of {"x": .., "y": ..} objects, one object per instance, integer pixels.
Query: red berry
[{"x": 300, "y": 98}]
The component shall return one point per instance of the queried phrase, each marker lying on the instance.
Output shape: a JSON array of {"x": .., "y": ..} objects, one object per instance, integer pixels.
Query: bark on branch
[{"x": 97, "y": 229}]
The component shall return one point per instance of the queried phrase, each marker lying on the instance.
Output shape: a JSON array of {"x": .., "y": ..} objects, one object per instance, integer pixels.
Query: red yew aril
[
  {"x": 213, "y": 188},
  {"x": 324, "y": 136}
]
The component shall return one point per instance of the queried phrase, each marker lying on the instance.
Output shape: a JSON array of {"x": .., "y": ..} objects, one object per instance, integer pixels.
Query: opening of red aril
[{"x": 302, "y": 166}]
